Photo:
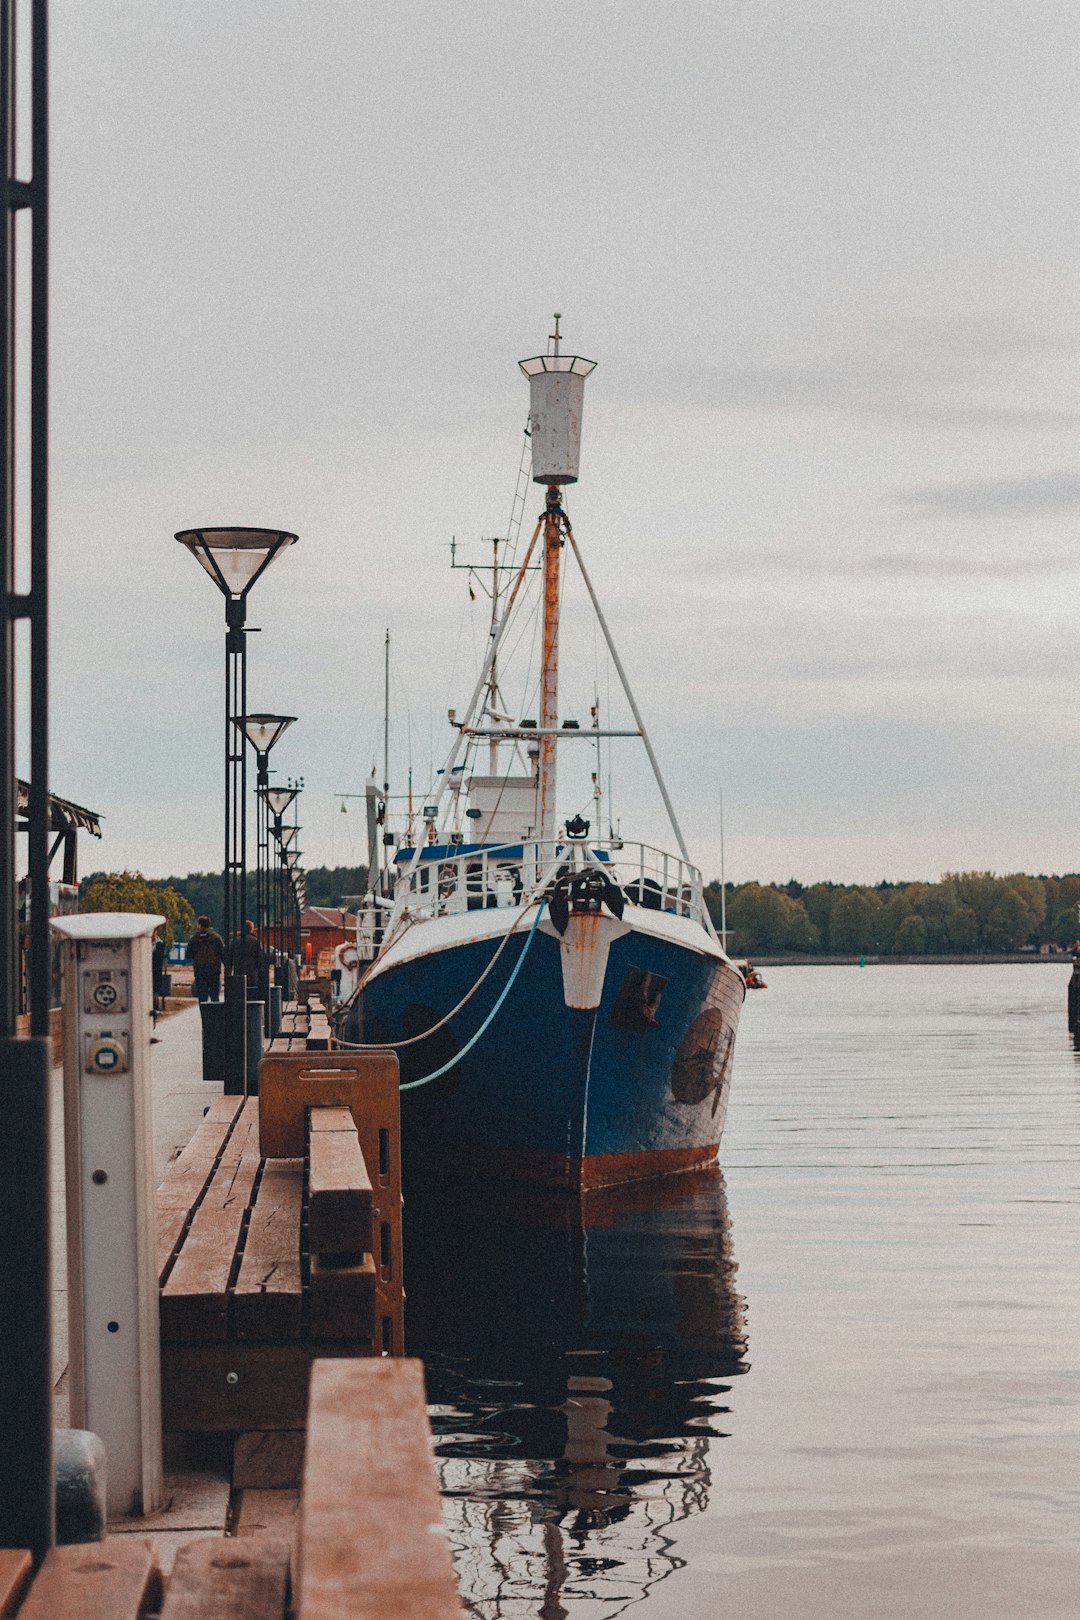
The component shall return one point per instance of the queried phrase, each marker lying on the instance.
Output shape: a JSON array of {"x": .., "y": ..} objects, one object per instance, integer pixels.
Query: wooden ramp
[
  {"x": 370, "y": 1535},
  {"x": 280, "y": 1242}
]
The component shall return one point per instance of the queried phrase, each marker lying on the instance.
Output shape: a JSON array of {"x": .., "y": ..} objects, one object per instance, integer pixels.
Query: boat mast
[
  {"x": 549, "y": 677},
  {"x": 549, "y": 684},
  {"x": 386, "y": 718},
  {"x": 493, "y": 682},
  {"x": 556, "y": 384}
]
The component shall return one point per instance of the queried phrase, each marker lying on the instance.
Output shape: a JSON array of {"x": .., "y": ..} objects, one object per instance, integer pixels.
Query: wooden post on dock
[{"x": 1074, "y": 999}]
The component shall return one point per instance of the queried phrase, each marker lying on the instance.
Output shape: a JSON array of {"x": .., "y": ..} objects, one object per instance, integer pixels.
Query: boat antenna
[
  {"x": 723, "y": 879},
  {"x": 386, "y": 715},
  {"x": 385, "y": 862}
]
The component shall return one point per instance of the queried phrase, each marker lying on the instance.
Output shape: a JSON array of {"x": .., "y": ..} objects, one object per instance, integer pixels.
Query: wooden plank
[
  {"x": 289, "y": 1086},
  {"x": 16, "y": 1567},
  {"x": 269, "y": 1460},
  {"x": 194, "y": 1297},
  {"x": 339, "y": 1187},
  {"x": 187, "y": 1175},
  {"x": 342, "y": 1304},
  {"x": 115, "y": 1579},
  {"x": 330, "y": 1119},
  {"x": 268, "y": 1298},
  {"x": 367, "y": 1084},
  {"x": 273, "y": 1512},
  {"x": 267, "y": 1390},
  {"x": 372, "y": 1541},
  {"x": 318, "y": 1034},
  {"x": 218, "y": 1579}
]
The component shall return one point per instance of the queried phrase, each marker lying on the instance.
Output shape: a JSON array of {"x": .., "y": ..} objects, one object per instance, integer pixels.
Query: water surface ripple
[{"x": 876, "y": 1417}]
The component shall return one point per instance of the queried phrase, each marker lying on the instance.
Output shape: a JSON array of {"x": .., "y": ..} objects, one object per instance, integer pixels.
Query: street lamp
[
  {"x": 235, "y": 559},
  {"x": 277, "y": 801},
  {"x": 262, "y": 732},
  {"x": 291, "y": 858}
]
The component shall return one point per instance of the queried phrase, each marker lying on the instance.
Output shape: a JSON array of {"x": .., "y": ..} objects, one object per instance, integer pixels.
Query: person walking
[
  {"x": 247, "y": 957},
  {"x": 206, "y": 953},
  {"x": 157, "y": 958}
]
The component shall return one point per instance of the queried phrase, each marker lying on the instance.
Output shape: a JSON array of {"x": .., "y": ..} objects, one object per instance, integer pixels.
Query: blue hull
[{"x": 554, "y": 1094}]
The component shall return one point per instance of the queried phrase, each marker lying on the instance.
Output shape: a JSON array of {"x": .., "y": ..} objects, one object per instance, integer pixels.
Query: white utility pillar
[{"x": 115, "y": 1346}]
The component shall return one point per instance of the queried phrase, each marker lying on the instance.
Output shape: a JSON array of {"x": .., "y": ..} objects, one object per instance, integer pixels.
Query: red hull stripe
[{"x": 578, "y": 1175}]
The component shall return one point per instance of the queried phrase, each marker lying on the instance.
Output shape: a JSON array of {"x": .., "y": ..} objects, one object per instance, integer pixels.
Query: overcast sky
[{"x": 826, "y": 257}]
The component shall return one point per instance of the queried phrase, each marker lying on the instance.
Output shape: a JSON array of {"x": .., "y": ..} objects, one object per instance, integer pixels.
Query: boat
[{"x": 560, "y": 1002}]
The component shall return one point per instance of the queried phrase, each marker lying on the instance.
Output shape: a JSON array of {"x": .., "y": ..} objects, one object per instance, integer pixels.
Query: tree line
[
  {"x": 966, "y": 913},
  {"x": 181, "y": 899}
]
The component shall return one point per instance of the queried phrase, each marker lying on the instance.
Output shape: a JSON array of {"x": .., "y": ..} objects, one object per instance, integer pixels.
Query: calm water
[{"x": 841, "y": 1379}]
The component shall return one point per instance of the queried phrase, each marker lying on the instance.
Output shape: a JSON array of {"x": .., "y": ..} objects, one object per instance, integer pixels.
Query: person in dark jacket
[
  {"x": 247, "y": 956},
  {"x": 157, "y": 958},
  {"x": 206, "y": 953}
]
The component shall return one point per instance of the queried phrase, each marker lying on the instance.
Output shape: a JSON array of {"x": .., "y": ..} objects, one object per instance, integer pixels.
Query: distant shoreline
[{"x": 986, "y": 959}]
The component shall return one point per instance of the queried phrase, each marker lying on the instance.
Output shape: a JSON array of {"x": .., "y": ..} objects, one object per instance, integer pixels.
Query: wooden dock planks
[
  {"x": 194, "y": 1296},
  {"x": 16, "y": 1568},
  {"x": 342, "y": 1298},
  {"x": 240, "y": 1388},
  {"x": 216, "y": 1579},
  {"x": 372, "y": 1541},
  {"x": 268, "y": 1298},
  {"x": 339, "y": 1186},
  {"x": 115, "y": 1579},
  {"x": 188, "y": 1174}
]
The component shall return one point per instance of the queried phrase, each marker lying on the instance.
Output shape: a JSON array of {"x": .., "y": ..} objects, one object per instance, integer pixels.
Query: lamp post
[
  {"x": 235, "y": 559},
  {"x": 277, "y": 800},
  {"x": 262, "y": 732},
  {"x": 292, "y": 864}
]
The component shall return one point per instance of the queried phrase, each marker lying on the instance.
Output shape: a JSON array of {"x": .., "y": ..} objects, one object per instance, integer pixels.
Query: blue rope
[{"x": 410, "y": 1085}]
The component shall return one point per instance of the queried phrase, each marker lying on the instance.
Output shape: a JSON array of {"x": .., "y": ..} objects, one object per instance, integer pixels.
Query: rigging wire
[
  {"x": 394, "y": 1046},
  {"x": 411, "y": 1085}
]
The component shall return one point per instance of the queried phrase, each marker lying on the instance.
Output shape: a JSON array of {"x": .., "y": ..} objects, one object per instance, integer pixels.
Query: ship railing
[{"x": 501, "y": 876}]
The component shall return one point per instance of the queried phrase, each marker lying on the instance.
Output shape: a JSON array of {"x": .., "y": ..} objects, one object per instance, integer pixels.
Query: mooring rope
[
  {"x": 393, "y": 1046},
  {"x": 411, "y": 1085}
]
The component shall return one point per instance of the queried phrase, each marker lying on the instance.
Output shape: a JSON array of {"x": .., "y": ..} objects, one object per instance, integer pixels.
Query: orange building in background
[{"x": 323, "y": 927}]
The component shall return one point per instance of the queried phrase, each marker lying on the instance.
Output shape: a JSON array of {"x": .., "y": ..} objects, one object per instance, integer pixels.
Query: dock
[{"x": 299, "y": 1471}]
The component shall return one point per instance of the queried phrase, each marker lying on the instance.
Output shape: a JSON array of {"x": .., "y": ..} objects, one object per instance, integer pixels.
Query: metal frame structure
[{"x": 26, "y": 1446}]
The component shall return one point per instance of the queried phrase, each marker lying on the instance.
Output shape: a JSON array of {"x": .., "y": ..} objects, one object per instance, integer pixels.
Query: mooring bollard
[
  {"x": 213, "y": 1041},
  {"x": 256, "y": 1014},
  {"x": 274, "y": 1011}
]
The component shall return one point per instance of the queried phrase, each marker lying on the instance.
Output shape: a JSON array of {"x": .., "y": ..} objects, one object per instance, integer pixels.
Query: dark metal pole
[
  {"x": 262, "y": 843},
  {"x": 26, "y": 1443},
  {"x": 235, "y": 874},
  {"x": 9, "y": 937},
  {"x": 38, "y": 855}
]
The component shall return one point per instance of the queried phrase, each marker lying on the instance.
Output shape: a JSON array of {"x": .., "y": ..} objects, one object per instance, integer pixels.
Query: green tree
[
  {"x": 818, "y": 901},
  {"x": 765, "y": 919},
  {"x": 910, "y": 937},
  {"x": 853, "y": 922},
  {"x": 950, "y": 925},
  {"x": 1006, "y": 912},
  {"x": 130, "y": 891}
]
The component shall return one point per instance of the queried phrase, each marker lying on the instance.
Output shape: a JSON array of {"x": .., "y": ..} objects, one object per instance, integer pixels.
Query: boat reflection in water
[{"x": 575, "y": 1354}]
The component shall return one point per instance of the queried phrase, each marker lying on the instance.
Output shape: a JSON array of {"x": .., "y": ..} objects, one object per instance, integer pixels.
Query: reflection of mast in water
[{"x": 574, "y": 1353}]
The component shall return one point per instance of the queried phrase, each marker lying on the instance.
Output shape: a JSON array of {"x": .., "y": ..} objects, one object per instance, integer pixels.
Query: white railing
[{"x": 504, "y": 875}]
